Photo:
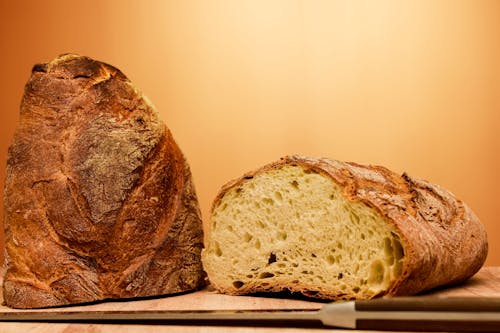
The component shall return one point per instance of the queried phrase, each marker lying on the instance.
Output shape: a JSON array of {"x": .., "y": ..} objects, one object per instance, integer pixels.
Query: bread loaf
[
  {"x": 99, "y": 201},
  {"x": 336, "y": 230}
]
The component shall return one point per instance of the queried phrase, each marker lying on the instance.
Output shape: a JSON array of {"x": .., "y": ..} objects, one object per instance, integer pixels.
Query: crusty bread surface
[
  {"x": 99, "y": 201},
  {"x": 336, "y": 230}
]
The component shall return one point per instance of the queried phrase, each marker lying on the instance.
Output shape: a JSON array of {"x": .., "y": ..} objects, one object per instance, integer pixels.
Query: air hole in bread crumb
[
  {"x": 295, "y": 184},
  {"x": 265, "y": 275},
  {"x": 282, "y": 236},
  {"x": 238, "y": 284},
  {"x": 354, "y": 218},
  {"x": 278, "y": 195},
  {"x": 247, "y": 237},
  {"x": 268, "y": 201},
  {"x": 388, "y": 251},
  {"x": 217, "y": 250},
  {"x": 399, "y": 252},
  {"x": 272, "y": 258},
  {"x": 376, "y": 273},
  {"x": 330, "y": 260},
  {"x": 340, "y": 276},
  {"x": 257, "y": 244}
]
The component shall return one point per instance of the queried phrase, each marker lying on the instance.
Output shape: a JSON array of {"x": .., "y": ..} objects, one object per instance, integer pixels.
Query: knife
[{"x": 420, "y": 313}]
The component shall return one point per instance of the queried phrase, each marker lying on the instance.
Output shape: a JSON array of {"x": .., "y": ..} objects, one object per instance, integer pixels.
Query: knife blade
[{"x": 420, "y": 313}]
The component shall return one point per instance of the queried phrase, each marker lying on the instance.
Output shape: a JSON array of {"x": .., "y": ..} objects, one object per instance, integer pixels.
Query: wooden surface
[{"x": 485, "y": 283}]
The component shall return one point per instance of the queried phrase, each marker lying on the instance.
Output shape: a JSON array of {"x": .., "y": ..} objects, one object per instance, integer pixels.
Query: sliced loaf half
[{"x": 336, "y": 230}]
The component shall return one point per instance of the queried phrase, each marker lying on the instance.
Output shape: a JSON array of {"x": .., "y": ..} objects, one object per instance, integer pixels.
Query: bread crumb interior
[{"x": 292, "y": 229}]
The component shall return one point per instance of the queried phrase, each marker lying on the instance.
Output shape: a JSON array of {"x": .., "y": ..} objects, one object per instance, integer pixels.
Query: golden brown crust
[
  {"x": 445, "y": 243},
  {"x": 99, "y": 201}
]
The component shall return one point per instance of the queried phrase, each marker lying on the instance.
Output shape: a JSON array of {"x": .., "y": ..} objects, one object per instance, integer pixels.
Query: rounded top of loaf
[
  {"x": 70, "y": 83},
  {"x": 74, "y": 66}
]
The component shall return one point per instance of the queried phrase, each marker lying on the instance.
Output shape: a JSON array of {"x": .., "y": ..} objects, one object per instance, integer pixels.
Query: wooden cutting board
[{"x": 485, "y": 283}]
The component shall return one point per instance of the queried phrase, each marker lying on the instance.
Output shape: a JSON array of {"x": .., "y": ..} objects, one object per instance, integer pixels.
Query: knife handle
[
  {"x": 428, "y": 325},
  {"x": 428, "y": 303},
  {"x": 420, "y": 313},
  {"x": 467, "y": 322}
]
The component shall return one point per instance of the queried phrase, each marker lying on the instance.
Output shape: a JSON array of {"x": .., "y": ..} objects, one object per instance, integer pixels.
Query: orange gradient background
[{"x": 412, "y": 85}]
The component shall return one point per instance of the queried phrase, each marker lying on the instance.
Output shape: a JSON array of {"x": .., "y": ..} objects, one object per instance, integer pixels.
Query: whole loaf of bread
[
  {"x": 99, "y": 200},
  {"x": 339, "y": 230}
]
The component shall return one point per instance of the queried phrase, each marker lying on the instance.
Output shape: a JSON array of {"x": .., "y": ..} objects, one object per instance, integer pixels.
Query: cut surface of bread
[
  {"x": 296, "y": 230},
  {"x": 293, "y": 226}
]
